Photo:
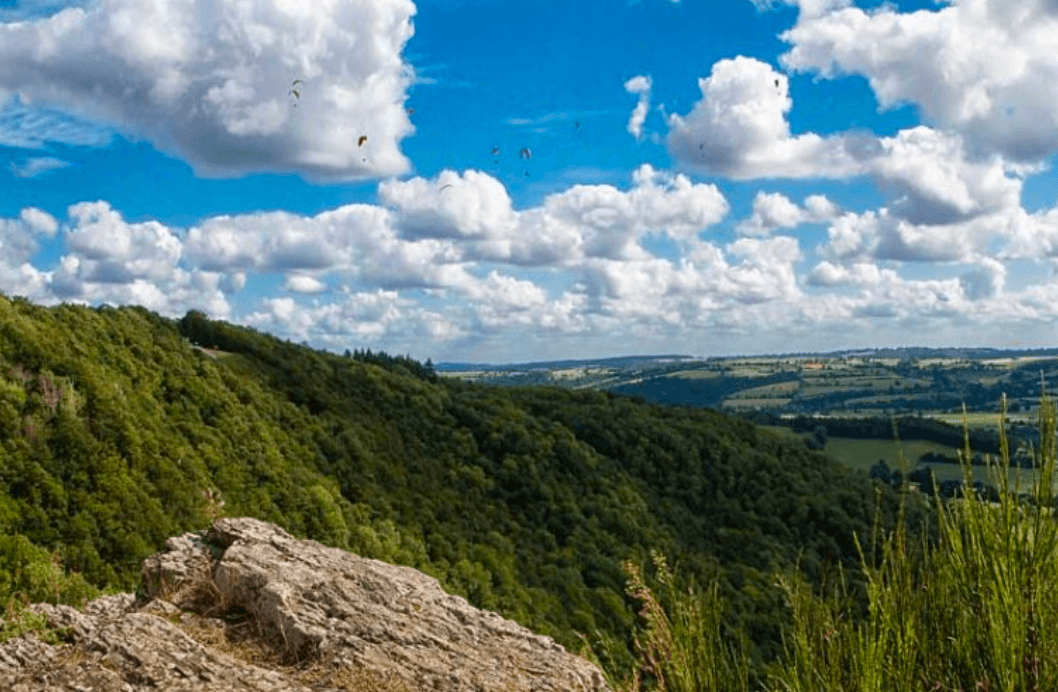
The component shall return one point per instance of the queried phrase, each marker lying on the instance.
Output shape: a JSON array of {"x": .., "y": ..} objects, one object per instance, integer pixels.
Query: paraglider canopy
[
  {"x": 360, "y": 142},
  {"x": 525, "y": 153}
]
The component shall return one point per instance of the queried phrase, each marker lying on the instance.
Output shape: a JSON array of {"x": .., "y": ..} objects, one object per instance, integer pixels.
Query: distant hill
[
  {"x": 904, "y": 353},
  {"x": 853, "y": 384},
  {"x": 616, "y": 362},
  {"x": 118, "y": 430}
]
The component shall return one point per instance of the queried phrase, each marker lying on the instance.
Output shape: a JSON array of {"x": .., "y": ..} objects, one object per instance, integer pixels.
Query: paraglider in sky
[
  {"x": 527, "y": 155},
  {"x": 360, "y": 142},
  {"x": 776, "y": 83},
  {"x": 444, "y": 186},
  {"x": 294, "y": 91},
  {"x": 495, "y": 151},
  {"x": 411, "y": 111}
]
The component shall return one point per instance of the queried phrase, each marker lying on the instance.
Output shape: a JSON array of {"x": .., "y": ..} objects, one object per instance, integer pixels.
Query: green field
[
  {"x": 980, "y": 420},
  {"x": 767, "y": 391},
  {"x": 694, "y": 374},
  {"x": 863, "y": 454},
  {"x": 753, "y": 404}
]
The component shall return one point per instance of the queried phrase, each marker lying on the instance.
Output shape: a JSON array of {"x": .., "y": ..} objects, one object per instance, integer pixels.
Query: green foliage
[
  {"x": 972, "y": 612},
  {"x": 29, "y": 574},
  {"x": 684, "y": 645},
  {"x": 33, "y": 573},
  {"x": 910, "y": 428},
  {"x": 119, "y": 428}
]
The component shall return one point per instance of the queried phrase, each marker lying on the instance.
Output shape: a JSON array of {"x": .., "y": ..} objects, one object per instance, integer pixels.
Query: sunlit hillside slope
[{"x": 117, "y": 431}]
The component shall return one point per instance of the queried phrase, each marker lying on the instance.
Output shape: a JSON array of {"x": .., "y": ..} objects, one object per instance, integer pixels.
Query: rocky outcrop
[{"x": 248, "y": 607}]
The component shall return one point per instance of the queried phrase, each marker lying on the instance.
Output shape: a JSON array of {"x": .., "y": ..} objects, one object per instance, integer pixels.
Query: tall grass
[
  {"x": 684, "y": 645},
  {"x": 977, "y": 612}
]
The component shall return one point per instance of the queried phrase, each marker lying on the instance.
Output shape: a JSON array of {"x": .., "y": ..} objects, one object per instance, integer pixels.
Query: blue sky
[{"x": 706, "y": 178}]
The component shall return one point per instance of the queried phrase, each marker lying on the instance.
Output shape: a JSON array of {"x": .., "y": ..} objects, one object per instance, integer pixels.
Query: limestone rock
[{"x": 319, "y": 617}]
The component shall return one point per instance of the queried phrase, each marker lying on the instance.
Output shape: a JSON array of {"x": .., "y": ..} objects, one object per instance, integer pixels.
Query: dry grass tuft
[
  {"x": 239, "y": 638},
  {"x": 235, "y": 632}
]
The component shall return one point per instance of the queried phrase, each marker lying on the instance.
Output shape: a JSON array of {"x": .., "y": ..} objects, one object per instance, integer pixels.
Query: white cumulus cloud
[
  {"x": 739, "y": 129},
  {"x": 212, "y": 81},
  {"x": 303, "y": 283},
  {"x": 985, "y": 68},
  {"x": 932, "y": 182},
  {"x": 641, "y": 86},
  {"x": 471, "y": 205},
  {"x": 774, "y": 210}
]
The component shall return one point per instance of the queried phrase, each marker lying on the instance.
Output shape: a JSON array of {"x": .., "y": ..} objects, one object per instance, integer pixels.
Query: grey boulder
[{"x": 323, "y": 619}]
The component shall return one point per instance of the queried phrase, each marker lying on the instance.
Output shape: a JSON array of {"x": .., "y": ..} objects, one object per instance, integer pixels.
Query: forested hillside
[{"x": 117, "y": 432}]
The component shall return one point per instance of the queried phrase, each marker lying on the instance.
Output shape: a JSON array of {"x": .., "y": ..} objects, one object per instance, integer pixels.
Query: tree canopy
[{"x": 120, "y": 428}]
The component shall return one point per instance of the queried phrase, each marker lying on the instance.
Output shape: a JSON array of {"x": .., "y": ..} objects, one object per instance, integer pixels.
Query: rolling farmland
[
  {"x": 935, "y": 383},
  {"x": 832, "y": 390}
]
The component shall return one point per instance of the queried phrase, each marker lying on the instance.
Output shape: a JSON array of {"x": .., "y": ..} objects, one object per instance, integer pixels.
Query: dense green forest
[{"x": 120, "y": 428}]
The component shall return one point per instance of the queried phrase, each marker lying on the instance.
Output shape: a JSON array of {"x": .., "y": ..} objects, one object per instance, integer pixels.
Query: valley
[
  {"x": 527, "y": 489},
  {"x": 884, "y": 382},
  {"x": 851, "y": 397}
]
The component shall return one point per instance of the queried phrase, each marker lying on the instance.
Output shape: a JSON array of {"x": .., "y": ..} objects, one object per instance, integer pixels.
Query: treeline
[
  {"x": 424, "y": 371},
  {"x": 702, "y": 392},
  {"x": 984, "y": 440},
  {"x": 116, "y": 433},
  {"x": 217, "y": 334}
]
